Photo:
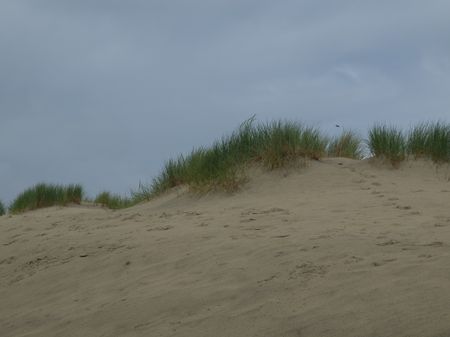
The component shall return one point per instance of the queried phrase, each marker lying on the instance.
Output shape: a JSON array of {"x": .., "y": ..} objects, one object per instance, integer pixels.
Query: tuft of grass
[
  {"x": 143, "y": 193},
  {"x": 430, "y": 140},
  {"x": 113, "y": 201},
  {"x": 439, "y": 142},
  {"x": 220, "y": 166},
  {"x": 2, "y": 208},
  {"x": 45, "y": 195},
  {"x": 284, "y": 142},
  {"x": 417, "y": 140},
  {"x": 387, "y": 143},
  {"x": 347, "y": 145}
]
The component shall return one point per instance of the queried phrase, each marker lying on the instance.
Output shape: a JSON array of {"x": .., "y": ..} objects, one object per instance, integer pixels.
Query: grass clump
[
  {"x": 113, "y": 201},
  {"x": 2, "y": 208},
  {"x": 387, "y": 143},
  {"x": 116, "y": 201},
  {"x": 46, "y": 195},
  {"x": 284, "y": 142},
  {"x": 430, "y": 140},
  {"x": 273, "y": 144},
  {"x": 347, "y": 145}
]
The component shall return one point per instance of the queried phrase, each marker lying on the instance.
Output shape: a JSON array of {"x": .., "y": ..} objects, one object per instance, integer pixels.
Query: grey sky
[{"x": 103, "y": 92}]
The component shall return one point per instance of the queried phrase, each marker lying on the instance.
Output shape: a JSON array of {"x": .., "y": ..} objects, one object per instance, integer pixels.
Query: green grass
[
  {"x": 425, "y": 140},
  {"x": 387, "y": 143},
  {"x": 348, "y": 145},
  {"x": 116, "y": 201},
  {"x": 220, "y": 166},
  {"x": 2, "y": 208},
  {"x": 113, "y": 201},
  {"x": 272, "y": 145},
  {"x": 46, "y": 195},
  {"x": 283, "y": 142},
  {"x": 430, "y": 140}
]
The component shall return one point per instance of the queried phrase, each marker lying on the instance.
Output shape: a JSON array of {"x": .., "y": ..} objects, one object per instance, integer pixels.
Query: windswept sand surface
[{"x": 340, "y": 248}]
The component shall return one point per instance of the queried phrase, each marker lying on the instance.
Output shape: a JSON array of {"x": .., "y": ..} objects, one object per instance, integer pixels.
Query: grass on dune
[
  {"x": 273, "y": 145},
  {"x": 46, "y": 195},
  {"x": 430, "y": 140},
  {"x": 2, "y": 208},
  {"x": 387, "y": 143},
  {"x": 113, "y": 201},
  {"x": 348, "y": 145},
  {"x": 425, "y": 140},
  {"x": 116, "y": 201}
]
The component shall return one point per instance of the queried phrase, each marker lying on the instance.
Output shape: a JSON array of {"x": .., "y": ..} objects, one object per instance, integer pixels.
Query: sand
[{"x": 339, "y": 248}]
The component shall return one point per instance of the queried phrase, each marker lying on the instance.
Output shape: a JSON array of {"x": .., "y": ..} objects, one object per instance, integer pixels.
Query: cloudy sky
[{"x": 102, "y": 92}]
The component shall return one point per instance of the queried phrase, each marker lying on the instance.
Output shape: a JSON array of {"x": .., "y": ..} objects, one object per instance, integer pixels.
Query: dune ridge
[{"x": 338, "y": 248}]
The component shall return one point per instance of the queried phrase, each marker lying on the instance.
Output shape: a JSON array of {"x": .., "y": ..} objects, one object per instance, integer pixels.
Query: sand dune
[{"x": 340, "y": 248}]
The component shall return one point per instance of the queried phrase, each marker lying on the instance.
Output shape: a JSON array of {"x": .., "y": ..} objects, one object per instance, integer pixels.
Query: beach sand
[{"x": 338, "y": 248}]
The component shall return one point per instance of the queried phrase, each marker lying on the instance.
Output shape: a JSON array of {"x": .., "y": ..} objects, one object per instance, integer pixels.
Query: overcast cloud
[{"x": 103, "y": 92}]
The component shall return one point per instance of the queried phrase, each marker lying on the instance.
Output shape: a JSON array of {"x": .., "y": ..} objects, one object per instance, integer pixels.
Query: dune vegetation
[
  {"x": 387, "y": 143},
  {"x": 347, "y": 145},
  {"x": 430, "y": 140},
  {"x": 425, "y": 140},
  {"x": 2, "y": 208},
  {"x": 45, "y": 195},
  {"x": 273, "y": 145},
  {"x": 278, "y": 144},
  {"x": 113, "y": 201}
]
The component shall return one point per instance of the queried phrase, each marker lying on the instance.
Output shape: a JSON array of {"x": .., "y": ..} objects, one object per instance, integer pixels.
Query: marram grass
[
  {"x": 425, "y": 140},
  {"x": 116, "y": 201},
  {"x": 273, "y": 145},
  {"x": 387, "y": 143},
  {"x": 430, "y": 140},
  {"x": 113, "y": 201},
  {"x": 46, "y": 195},
  {"x": 2, "y": 208},
  {"x": 347, "y": 145},
  {"x": 220, "y": 166}
]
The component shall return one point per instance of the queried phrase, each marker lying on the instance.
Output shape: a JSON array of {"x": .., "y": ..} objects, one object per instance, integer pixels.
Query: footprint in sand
[
  {"x": 9, "y": 243},
  {"x": 247, "y": 220},
  {"x": 134, "y": 216},
  {"x": 192, "y": 213},
  {"x": 160, "y": 228},
  {"x": 382, "y": 262},
  {"x": 267, "y": 279},
  {"x": 434, "y": 244},
  {"x": 403, "y": 207},
  {"x": 353, "y": 259},
  {"x": 307, "y": 271},
  {"x": 425, "y": 256},
  {"x": 33, "y": 266},
  {"x": 388, "y": 243},
  {"x": 267, "y": 211},
  {"x": 8, "y": 260}
]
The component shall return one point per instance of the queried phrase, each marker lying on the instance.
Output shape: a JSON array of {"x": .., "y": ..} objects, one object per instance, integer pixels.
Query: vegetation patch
[
  {"x": 430, "y": 140},
  {"x": 2, "y": 208},
  {"x": 273, "y": 145},
  {"x": 46, "y": 195},
  {"x": 387, "y": 143},
  {"x": 113, "y": 201},
  {"x": 221, "y": 165},
  {"x": 348, "y": 145},
  {"x": 425, "y": 140}
]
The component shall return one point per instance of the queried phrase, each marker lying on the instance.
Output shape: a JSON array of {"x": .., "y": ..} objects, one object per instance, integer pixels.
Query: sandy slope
[{"x": 341, "y": 248}]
